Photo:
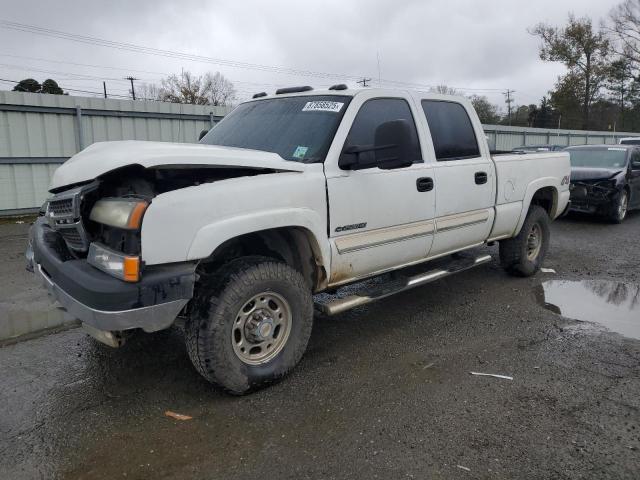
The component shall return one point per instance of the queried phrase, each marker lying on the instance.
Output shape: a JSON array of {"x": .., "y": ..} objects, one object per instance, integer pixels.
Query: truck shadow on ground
[{"x": 159, "y": 361}]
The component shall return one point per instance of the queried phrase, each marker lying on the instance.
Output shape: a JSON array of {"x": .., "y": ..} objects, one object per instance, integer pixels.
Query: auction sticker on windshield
[{"x": 322, "y": 106}]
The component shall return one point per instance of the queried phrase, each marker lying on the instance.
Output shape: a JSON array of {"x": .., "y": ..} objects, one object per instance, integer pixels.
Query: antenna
[{"x": 378, "y": 57}]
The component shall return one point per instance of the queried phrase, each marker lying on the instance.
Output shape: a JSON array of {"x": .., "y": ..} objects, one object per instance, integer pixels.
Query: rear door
[
  {"x": 379, "y": 219},
  {"x": 464, "y": 176}
]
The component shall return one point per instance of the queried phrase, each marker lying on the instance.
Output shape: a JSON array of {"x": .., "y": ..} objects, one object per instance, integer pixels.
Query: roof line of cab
[{"x": 344, "y": 90}]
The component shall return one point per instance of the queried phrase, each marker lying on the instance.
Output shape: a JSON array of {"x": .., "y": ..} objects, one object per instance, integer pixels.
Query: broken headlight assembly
[{"x": 125, "y": 213}]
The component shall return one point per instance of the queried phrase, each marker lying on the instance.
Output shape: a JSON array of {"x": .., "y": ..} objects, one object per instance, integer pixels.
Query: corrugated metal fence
[
  {"x": 508, "y": 138},
  {"x": 39, "y": 132}
]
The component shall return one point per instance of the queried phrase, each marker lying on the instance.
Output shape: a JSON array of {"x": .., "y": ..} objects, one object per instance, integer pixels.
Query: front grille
[
  {"x": 63, "y": 207},
  {"x": 63, "y": 215},
  {"x": 73, "y": 236}
]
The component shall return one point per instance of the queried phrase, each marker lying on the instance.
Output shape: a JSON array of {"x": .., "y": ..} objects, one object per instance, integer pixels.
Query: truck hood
[
  {"x": 579, "y": 174},
  {"x": 103, "y": 157}
]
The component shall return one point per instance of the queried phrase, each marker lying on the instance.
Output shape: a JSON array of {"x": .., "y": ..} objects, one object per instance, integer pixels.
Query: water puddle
[{"x": 615, "y": 305}]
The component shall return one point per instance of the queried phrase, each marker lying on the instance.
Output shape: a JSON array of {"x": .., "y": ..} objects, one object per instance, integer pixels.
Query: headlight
[
  {"x": 119, "y": 212},
  {"x": 124, "y": 267},
  {"x": 606, "y": 184}
]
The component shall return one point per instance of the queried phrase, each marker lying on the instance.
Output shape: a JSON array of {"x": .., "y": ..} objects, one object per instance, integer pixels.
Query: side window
[
  {"x": 635, "y": 159},
  {"x": 451, "y": 130},
  {"x": 374, "y": 113}
]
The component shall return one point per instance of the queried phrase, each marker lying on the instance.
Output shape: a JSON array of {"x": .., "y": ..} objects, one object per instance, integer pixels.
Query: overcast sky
[{"x": 479, "y": 47}]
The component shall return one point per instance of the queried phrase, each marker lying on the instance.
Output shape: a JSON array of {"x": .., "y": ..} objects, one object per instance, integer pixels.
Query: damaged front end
[
  {"x": 596, "y": 190},
  {"x": 594, "y": 196},
  {"x": 86, "y": 247}
]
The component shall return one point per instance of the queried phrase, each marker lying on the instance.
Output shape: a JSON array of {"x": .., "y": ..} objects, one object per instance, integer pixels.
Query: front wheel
[
  {"x": 619, "y": 209},
  {"x": 523, "y": 255},
  {"x": 251, "y": 325}
]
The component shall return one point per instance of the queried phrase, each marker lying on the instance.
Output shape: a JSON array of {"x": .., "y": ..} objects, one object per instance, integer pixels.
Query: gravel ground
[{"x": 384, "y": 391}]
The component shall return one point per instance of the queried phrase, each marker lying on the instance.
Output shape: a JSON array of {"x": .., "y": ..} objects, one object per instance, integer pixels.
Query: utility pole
[
  {"x": 104, "y": 86},
  {"x": 508, "y": 101},
  {"x": 133, "y": 91},
  {"x": 364, "y": 81}
]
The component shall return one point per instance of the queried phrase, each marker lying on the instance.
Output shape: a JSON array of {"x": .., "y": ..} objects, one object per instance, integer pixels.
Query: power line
[
  {"x": 166, "y": 53},
  {"x": 34, "y": 29}
]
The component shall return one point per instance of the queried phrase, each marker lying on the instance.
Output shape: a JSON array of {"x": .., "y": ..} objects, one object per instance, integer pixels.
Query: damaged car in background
[{"x": 605, "y": 180}]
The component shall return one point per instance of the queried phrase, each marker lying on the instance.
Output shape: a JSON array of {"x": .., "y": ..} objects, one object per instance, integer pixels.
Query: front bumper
[
  {"x": 589, "y": 199},
  {"x": 105, "y": 302}
]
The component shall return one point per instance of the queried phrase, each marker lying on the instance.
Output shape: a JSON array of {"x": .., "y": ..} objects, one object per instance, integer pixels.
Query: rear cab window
[{"x": 451, "y": 130}]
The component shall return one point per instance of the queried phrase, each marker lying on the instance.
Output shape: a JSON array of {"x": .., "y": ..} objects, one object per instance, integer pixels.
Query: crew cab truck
[{"x": 290, "y": 195}]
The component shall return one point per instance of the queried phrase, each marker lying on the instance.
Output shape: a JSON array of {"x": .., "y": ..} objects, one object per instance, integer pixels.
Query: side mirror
[
  {"x": 202, "y": 134},
  {"x": 391, "y": 149}
]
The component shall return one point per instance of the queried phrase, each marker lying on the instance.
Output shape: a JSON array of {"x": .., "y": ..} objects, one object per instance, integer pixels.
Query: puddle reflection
[{"x": 615, "y": 305}]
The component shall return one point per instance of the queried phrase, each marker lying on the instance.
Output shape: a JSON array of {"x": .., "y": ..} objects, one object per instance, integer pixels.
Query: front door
[
  {"x": 464, "y": 178},
  {"x": 379, "y": 218},
  {"x": 634, "y": 179}
]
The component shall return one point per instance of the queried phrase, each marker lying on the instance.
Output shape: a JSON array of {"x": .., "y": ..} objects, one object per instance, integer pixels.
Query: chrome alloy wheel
[
  {"x": 261, "y": 328},
  {"x": 534, "y": 242},
  {"x": 622, "y": 205}
]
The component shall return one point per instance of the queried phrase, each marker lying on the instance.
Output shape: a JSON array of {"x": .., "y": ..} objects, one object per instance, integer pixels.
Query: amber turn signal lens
[
  {"x": 131, "y": 270},
  {"x": 135, "y": 219}
]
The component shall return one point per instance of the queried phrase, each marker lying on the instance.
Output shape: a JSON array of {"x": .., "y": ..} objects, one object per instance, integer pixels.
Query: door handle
[
  {"x": 481, "y": 178},
  {"x": 424, "y": 184}
]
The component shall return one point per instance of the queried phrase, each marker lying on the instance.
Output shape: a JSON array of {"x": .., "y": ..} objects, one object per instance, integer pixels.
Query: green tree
[
  {"x": 27, "y": 85},
  {"x": 546, "y": 116},
  {"x": 583, "y": 51},
  {"x": 566, "y": 99},
  {"x": 32, "y": 86},
  {"x": 621, "y": 83},
  {"x": 51, "y": 87},
  {"x": 487, "y": 111}
]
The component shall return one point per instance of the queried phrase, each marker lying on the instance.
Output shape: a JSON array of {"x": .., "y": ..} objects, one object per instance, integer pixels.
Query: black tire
[
  {"x": 618, "y": 211},
  {"x": 514, "y": 252},
  {"x": 217, "y": 306}
]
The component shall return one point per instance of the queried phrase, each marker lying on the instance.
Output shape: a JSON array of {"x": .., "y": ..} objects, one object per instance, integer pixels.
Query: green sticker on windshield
[{"x": 300, "y": 152}]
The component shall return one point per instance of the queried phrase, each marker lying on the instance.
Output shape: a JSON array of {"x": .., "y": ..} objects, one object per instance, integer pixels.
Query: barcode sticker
[{"x": 322, "y": 106}]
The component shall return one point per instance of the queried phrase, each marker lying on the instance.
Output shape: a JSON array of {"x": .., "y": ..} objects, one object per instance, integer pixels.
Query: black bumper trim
[{"x": 100, "y": 291}]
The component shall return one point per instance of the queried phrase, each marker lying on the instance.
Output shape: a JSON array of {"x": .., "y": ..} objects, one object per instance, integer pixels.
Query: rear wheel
[
  {"x": 523, "y": 255},
  {"x": 250, "y": 326},
  {"x": 619, "y": 209}
]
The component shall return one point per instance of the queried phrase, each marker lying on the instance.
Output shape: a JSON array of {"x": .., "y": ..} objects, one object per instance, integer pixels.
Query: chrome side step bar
[{"x": 346, "y": 303}]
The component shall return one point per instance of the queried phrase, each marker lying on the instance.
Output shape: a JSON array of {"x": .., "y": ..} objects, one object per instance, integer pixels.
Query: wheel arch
[
  {"x": 294, "y": 245},
  {"x": 544, "y": 193}
]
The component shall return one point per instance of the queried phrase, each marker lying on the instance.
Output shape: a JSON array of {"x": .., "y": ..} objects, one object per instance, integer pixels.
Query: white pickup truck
[{"x": 290, "y": 195}]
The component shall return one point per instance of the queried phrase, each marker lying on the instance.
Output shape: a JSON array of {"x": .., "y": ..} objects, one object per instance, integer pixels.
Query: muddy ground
[{"x": 384, "y": 391}]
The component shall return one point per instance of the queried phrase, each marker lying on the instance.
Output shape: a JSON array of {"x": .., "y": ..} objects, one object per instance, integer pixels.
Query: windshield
[
  {"x": 598, "y": 157},
  {"x": 299, "y": 129},
  {"x": 630, "y": 141}
]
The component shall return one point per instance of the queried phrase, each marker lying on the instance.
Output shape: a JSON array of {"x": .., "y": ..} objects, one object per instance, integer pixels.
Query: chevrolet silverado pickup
[{"x": 290, "y": 195}]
